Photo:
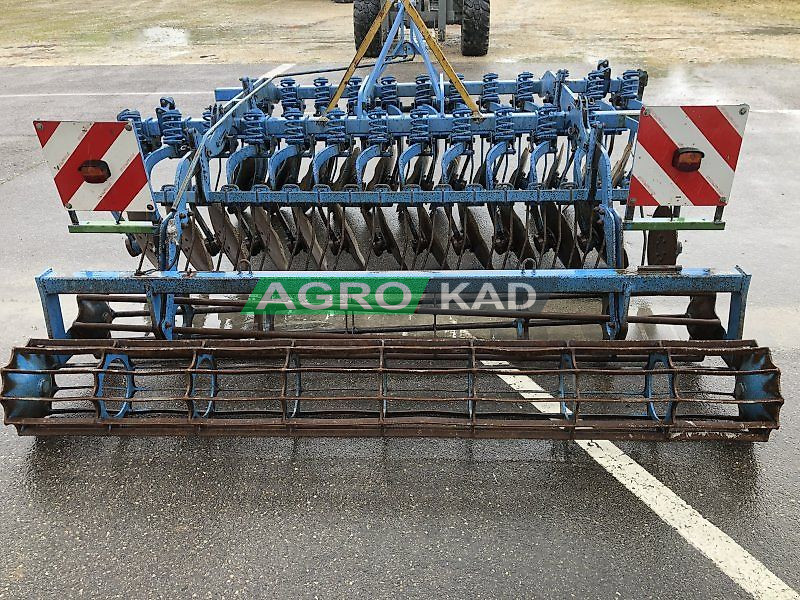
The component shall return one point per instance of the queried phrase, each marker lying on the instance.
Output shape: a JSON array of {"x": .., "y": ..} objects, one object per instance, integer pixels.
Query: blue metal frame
[{"x": 615, "y": 285}]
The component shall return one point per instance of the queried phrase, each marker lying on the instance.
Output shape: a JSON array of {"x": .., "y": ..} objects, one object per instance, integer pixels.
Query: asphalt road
[{"x": 370, "y": 518}]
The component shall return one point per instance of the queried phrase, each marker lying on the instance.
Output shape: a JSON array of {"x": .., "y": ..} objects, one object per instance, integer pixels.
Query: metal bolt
[
  {"x": 39, "y": 126},
  {"x": 128, "y": 126},
  {"x": 68, "y": 206},
  {"x": 645, "y": 112},
  {"x": 150, "y": 207},
  {"x": 743, "y": 110},
  {"x": 723, "y": 200}
]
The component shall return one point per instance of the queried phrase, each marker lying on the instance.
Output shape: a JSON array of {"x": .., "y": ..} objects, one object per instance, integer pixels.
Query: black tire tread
[
  {"x": 475, "y": 28},
  {"x": 364, "y": 13}
]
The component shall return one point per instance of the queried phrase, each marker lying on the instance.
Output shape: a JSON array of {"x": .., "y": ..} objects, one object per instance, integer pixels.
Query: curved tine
[
  {"x": 413, "y": 151},
  {"x": 519, "y": 176},
  {"x": 450, "y": 162},
  {"x": 321, "y": 164},
  {"x": 479, "y": 176},
  {"x": 495, "y": 153},
  {"x": 308, "y": 179},
  {"x": 420, "y": 167},
  {"x": 383, "y": 171},
  {"x": 447, "y": 177},
  {"x": 363, "y": 160},
  {"x": 552, "y": 175},
  {"x": 347, "y": 172}
]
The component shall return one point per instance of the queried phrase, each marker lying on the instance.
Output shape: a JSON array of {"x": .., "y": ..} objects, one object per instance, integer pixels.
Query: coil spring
[
  {"x": 423, "y": 95},
  {"x": 134, "y": 117},
  {"x": 524, "y": 88},
  {"x": 591, "y": 116},
  {"x": 630, "y": 84},
  {"x": 420, "y": 129},
  {"x": 335, "y": 132},
  {"x": 387, "y": 90},
  {"x": 254, "y": 132},
  {"x": 490, "y": 89},
  {"x": 171, "y": 122},
  {"x": 546, "y": 124},
  {"x": 289, "y": 97},
  {"x": 596, "y": 84},
  {"x": 209, "y": 117},
  {"x": 378, "y": 127},
  {"x": 322, "y": 94},
  {"x": 462, "y": 129},
  {"x": 295, "y": 132},
  {"x": 503, "y": 128},
  {"x": 453, "y": 97},
  {"x": 351, "y": 92}
]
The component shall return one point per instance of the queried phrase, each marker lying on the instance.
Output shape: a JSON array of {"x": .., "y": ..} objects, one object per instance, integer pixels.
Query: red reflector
[
  {"x": 95, "y": 171},
  {"x": 687, "y": 159}
]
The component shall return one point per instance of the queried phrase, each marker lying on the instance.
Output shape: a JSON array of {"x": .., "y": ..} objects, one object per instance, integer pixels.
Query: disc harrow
[{"x": 465, "y": 190}]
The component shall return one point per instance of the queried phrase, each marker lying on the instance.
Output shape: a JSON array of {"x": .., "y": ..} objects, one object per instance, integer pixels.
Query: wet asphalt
[{"x": 149, "y": 518}]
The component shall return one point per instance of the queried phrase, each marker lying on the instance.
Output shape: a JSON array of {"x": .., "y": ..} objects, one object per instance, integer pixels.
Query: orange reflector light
[
  {"x": 95, "y": 171},
  {"x": 687, "y": 159}
]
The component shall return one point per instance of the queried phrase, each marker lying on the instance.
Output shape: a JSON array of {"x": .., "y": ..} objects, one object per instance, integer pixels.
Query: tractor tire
[
  {"x": 475, "y": 28},
  {"x": 364, "y": 14}
]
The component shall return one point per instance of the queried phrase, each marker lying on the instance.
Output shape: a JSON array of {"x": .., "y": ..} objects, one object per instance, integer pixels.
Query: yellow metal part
[
  {"x": 433, "y": 46},
  {"x": 362, "y": 50}
]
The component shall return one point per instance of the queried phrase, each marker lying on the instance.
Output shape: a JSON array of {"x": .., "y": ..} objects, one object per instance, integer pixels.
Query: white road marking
[
  {"x": 733, "y": 560},
  {"x": 271, "y": 73}
]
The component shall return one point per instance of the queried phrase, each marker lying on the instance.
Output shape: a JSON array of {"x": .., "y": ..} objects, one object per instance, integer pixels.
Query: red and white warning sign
[
  {"x": 96, "y": 165},
  {"x": 686, "y": 155}
]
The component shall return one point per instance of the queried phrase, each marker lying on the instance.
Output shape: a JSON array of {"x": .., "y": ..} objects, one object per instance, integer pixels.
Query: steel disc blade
[
  {"x": 433, "y": 243},
  {"x": 228, "y": 236},
  {"x": 194, "y": 248},
  {"x": 475, "y": 238},
  {"x": 275, "y": 245}
]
